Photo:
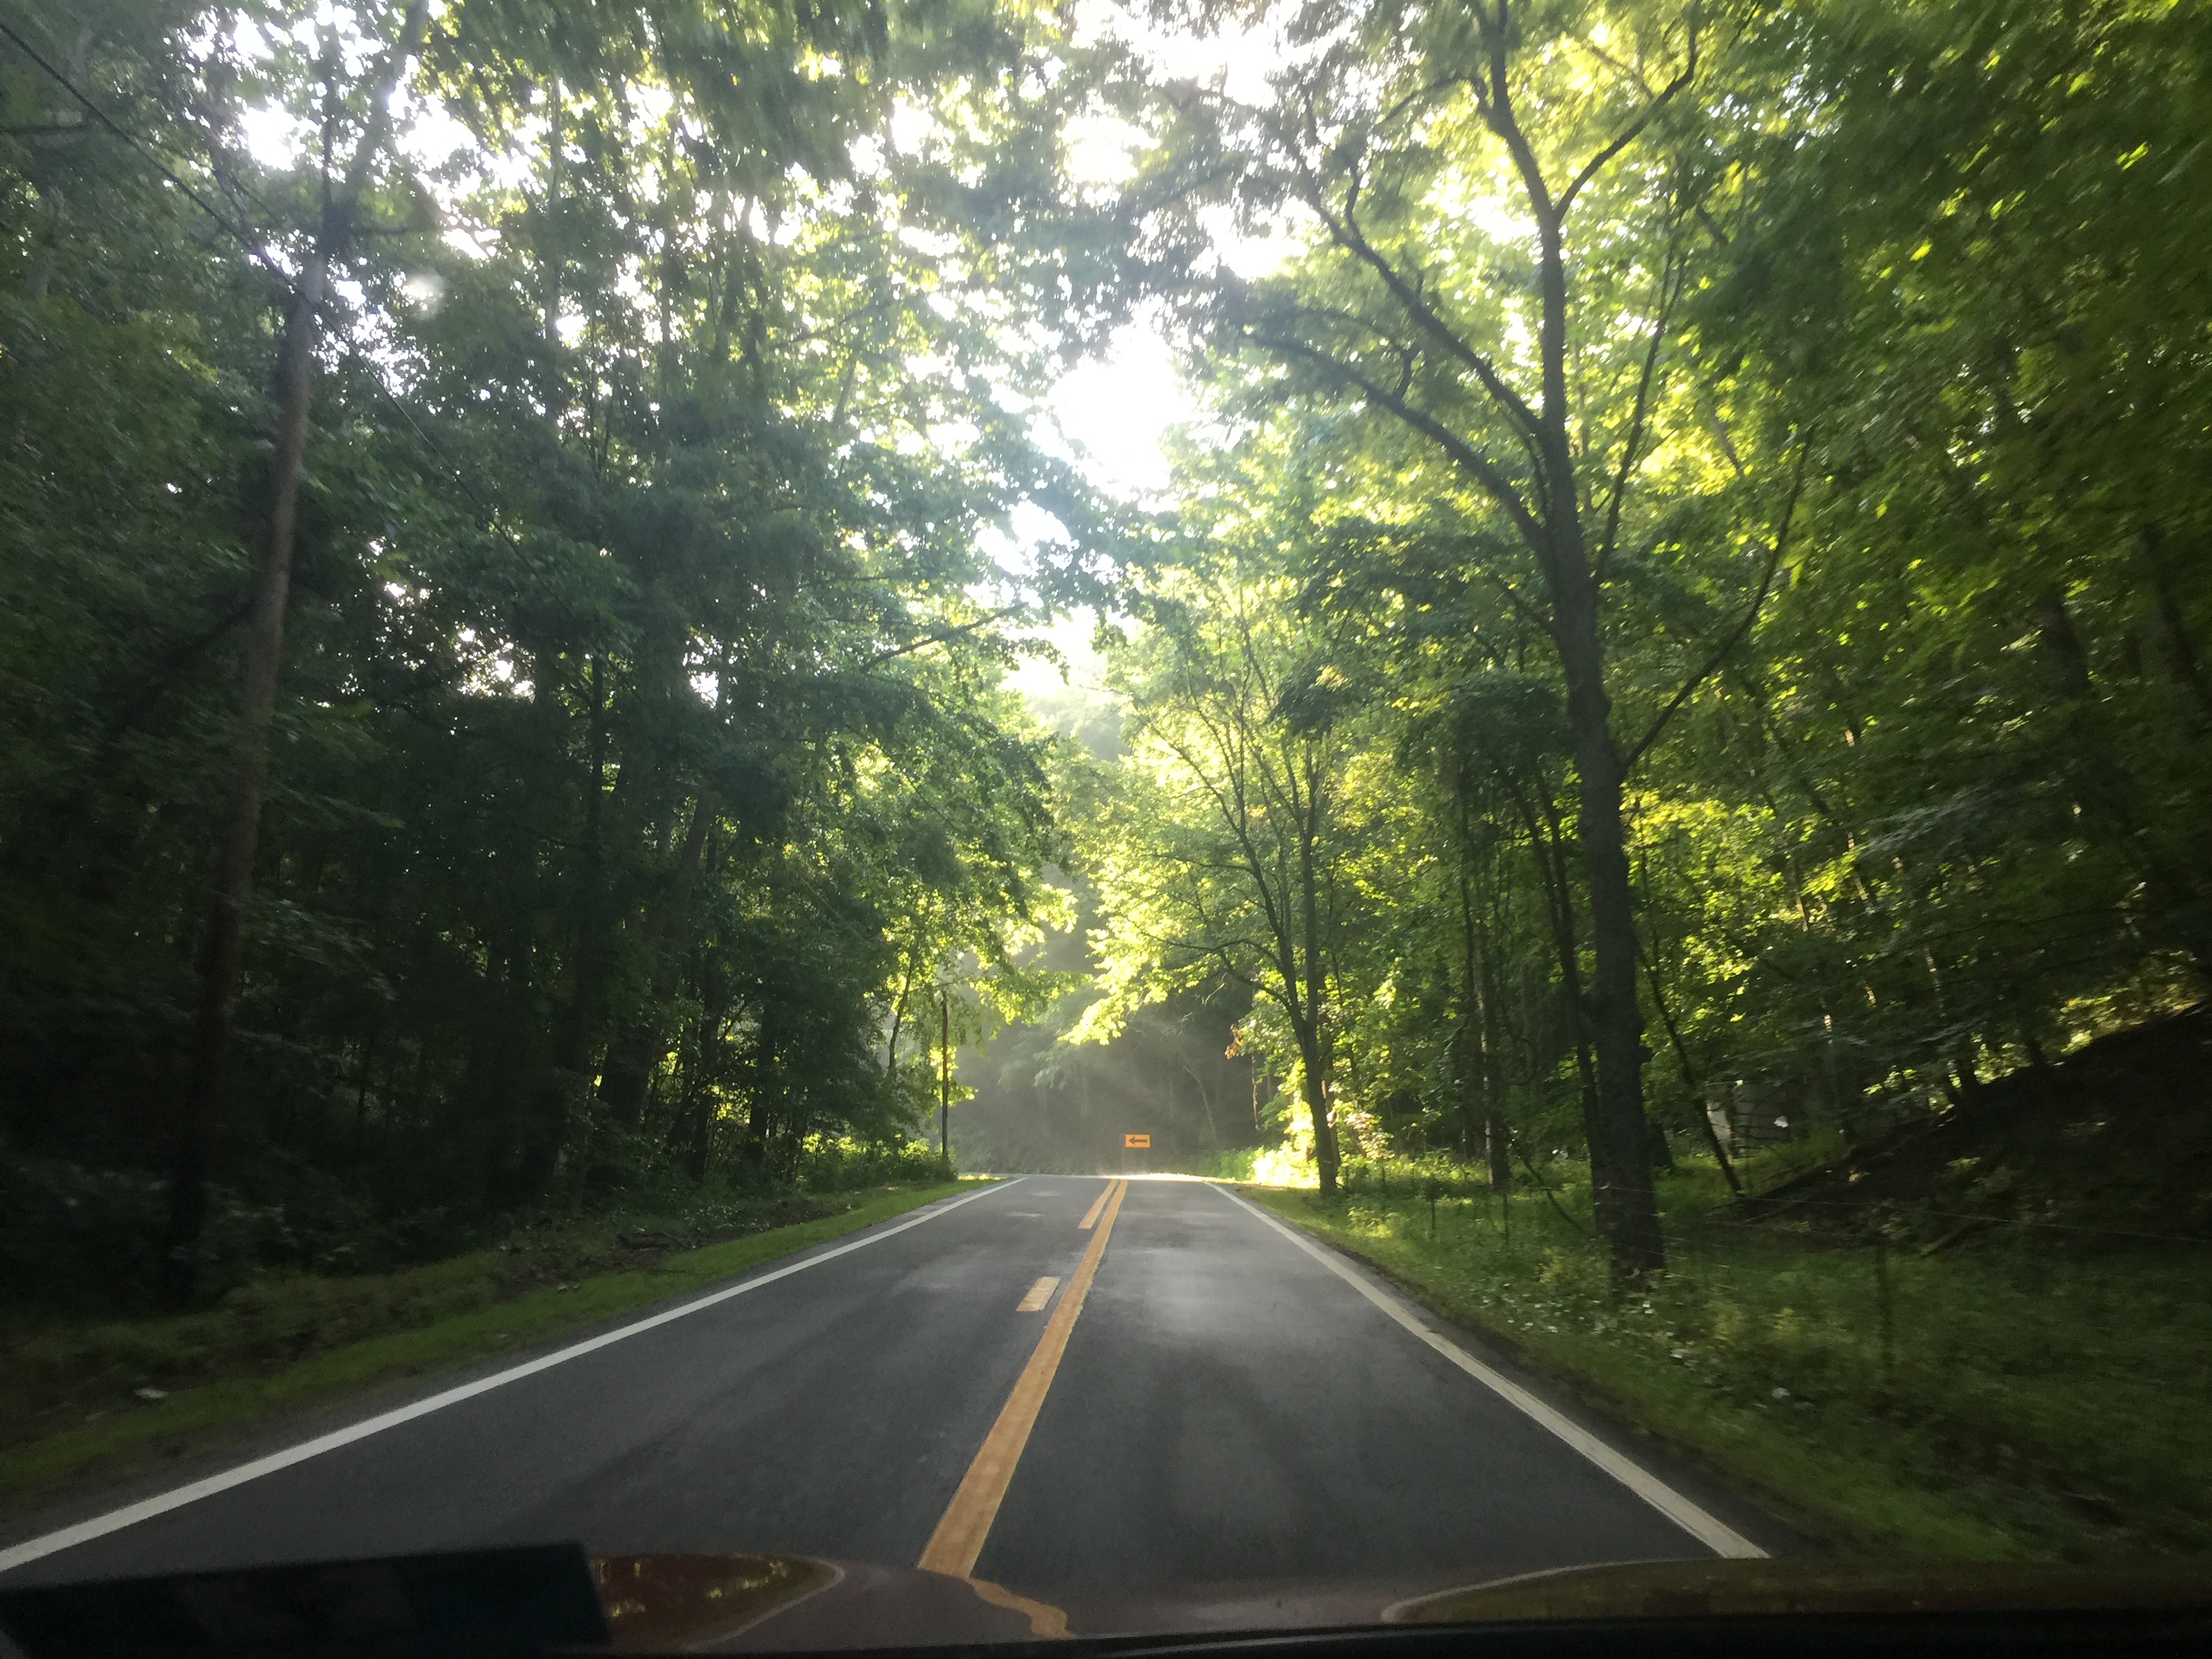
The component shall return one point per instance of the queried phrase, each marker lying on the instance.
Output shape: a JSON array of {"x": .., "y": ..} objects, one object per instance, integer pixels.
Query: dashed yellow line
[
  {"x": 1040, "y": 1293},
  {"x": 959, "y": 1536},
  {"x": 1091, "y": 1216}
]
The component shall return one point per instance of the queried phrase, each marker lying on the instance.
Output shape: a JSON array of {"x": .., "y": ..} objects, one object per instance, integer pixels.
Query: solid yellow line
[
  {"x": 959, "y": 1536},
  {"x": 1091, "y": 1216}
]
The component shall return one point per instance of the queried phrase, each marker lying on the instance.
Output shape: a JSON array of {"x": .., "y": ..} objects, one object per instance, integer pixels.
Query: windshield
[{"x": 1019, "y": 820}]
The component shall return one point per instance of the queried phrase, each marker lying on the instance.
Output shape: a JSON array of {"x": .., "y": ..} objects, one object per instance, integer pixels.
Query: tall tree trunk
[
  {"x": 592, "y": 942},
  {"x": 701, "y": 1136},
  {"x": 640, "y": 1045},
  {"x": 692, "y": 1133},
  {"x": 1205, "y": 1105},
  {"x": 1313, "y": 1086},
  {"x": 1478, "y": 1107},
  {"x": 1630, "y": 1201},
  {"x": 550, "y": 260},
  {"x": 1544, "y": 505},
  {"x": 1312, "y": 1043},
  {"x": 1692, "y": 1083},
  {"x": 223, "y": 945},
  {"x": 1548, "y": 846},
  {"x": 1497, "y": 1138},
  {"x": 1615, "y": 1019}
]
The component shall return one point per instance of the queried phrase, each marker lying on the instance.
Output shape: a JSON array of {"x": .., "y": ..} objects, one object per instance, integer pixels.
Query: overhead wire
[{"x": 253, "y": 244}]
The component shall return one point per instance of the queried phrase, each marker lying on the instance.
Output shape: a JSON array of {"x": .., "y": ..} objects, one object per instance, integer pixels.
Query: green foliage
[
  {"x": 2022, "y": 1408},
  {"x": 641, "y": 769},
  {"x": 1807, "y": 489},
  {"x": 1884, "y": 346}
]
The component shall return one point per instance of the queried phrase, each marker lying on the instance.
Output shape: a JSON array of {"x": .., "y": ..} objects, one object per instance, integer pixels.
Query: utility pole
[{"x": 944, "y": 1076}]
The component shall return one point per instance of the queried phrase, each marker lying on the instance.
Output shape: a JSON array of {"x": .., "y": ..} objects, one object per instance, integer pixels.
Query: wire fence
[{"x": 2063, "y": 1386}]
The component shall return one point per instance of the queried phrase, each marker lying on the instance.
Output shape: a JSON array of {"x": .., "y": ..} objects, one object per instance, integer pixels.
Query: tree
[
  {"x": 642, "y": 658},
  {"x": 1529, "y": 359},
  {"x": 223, "y": 950},
  {"x": 1223, "y": 856},
  {"x": 1904, "y": 718}
]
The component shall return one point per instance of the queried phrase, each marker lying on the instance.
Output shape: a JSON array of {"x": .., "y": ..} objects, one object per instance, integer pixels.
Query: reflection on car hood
[
  {"x": 535, "y": 1599},
  {"x": 754, "y": 1603}
]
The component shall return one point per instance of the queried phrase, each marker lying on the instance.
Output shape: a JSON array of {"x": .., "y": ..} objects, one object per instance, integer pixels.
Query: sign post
[{"x": 1133, "y": 1143}]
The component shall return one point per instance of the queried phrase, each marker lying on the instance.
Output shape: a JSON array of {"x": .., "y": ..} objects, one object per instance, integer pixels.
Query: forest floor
[
  {"x": 104, "y": 1399},
  {"x": 1982, "y": 1336}
]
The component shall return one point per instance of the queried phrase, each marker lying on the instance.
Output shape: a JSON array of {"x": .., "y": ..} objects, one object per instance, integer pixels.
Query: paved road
[{"x": 1228, "y": 1406}]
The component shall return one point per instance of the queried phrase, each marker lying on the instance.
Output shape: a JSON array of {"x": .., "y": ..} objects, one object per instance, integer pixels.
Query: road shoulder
[
  {"x": 60, "y": 1477},
  {"x": 1766, "y": 1516}
]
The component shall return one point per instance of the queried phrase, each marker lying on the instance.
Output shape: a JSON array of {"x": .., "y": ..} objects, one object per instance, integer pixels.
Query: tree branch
[
  {"x": 1349, "y": 235},
  {"x": 244, "y": 232},
  {"x": 1735, "y": 634},
  {"x": 1669, "y": 287},
  {"x": 1629, "y": 134},
  {"x": 942, "y": 636},
  {"x": 1485, "y": 471}
]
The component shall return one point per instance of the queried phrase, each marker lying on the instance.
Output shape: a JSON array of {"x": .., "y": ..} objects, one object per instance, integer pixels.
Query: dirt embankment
[{"x": 2108, "y": 1148}]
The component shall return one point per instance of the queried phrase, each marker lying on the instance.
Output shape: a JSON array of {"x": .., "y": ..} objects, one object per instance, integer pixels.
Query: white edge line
[
  {"x": 161, "y": 1503},
  {"x": 1708, "y": 1530}
]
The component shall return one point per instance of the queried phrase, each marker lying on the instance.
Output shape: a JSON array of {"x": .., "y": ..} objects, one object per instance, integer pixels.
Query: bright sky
[{"x": 1116, "y": 409}]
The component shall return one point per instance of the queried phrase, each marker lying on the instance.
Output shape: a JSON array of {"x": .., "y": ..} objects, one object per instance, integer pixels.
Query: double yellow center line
[{"x": 959, "y": 1536}]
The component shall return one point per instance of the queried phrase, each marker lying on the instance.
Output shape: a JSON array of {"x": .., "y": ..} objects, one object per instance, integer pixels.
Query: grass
[
  {"x": 2000, "y": 1399},
  {"x": 103, "y": 1401}
]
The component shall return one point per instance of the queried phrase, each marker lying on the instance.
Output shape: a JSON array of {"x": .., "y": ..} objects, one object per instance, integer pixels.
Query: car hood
[
  {"x": 541, "y": 1599},
  {"x": 760, "y": 1603}
]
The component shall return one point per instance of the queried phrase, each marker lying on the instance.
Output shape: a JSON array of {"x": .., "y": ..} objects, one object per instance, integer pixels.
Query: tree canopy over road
[{"x": 1683, "y": 603}]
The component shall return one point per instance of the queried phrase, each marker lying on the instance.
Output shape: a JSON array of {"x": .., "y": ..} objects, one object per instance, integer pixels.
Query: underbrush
[
  {"x": 101, "y": 1383},
  {"x": 2009, "y": 1395},
  {"x": 78, "y": 1243}
]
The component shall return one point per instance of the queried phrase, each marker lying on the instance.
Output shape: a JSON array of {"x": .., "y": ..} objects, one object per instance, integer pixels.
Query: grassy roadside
[
  {"x": 2022, "y": 1405},
  {"x": 304, "y": 1342}
]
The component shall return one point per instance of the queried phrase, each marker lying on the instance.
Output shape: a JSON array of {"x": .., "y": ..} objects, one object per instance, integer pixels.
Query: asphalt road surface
[{"x": 1201, "y": 1396}]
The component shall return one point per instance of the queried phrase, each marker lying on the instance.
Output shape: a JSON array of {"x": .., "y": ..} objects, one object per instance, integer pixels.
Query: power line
[
  {"x": 245, "y": 234},
  {"x": 252, "y": 244}
]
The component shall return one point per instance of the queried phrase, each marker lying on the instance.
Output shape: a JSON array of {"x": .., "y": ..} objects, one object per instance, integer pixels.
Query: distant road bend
[{"x": 1052, "y": 1384}]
